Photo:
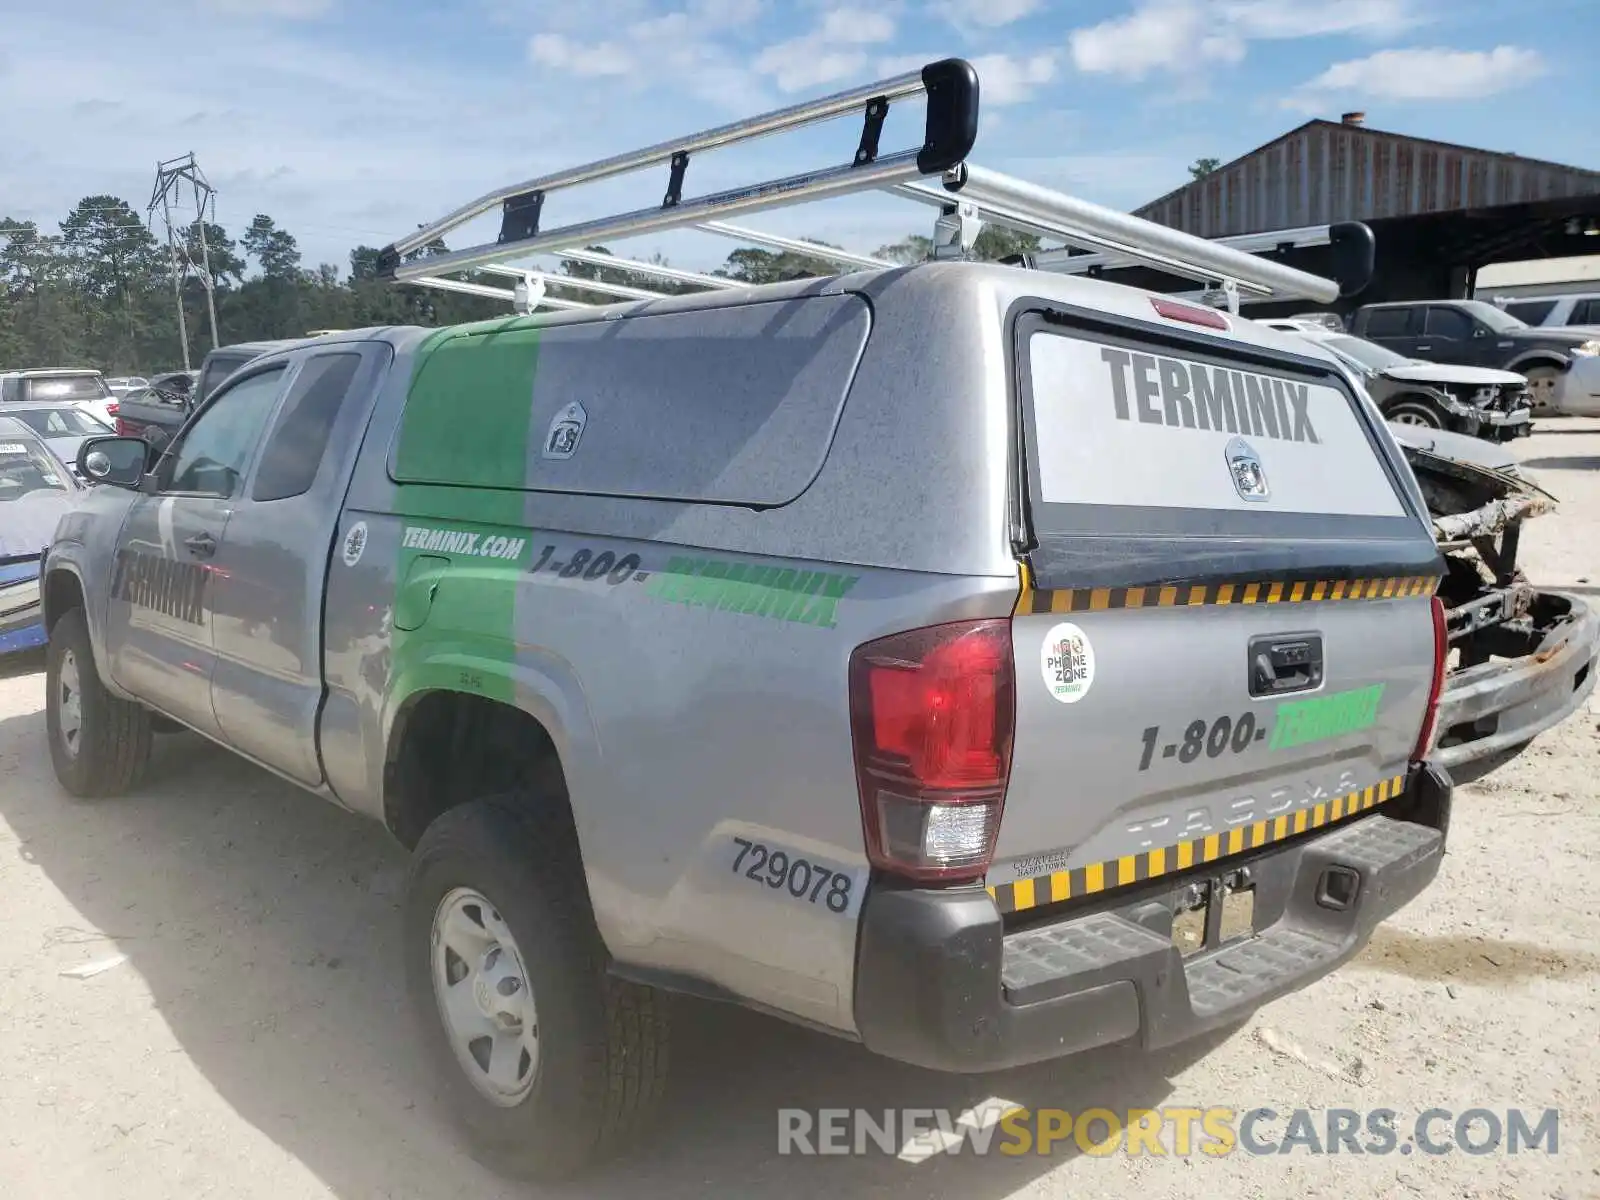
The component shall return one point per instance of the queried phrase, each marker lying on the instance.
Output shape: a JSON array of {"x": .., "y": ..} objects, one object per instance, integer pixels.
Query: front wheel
[
  {"x": 550, "y": 1064},
  {"x": 99, "y": 744},
  {"x": 1416, "y": 412},
  {"x": 1542, "y": 383}
]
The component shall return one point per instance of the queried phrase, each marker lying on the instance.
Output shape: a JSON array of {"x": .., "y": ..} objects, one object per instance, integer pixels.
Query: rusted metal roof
[{"x": 1325, "y": 171}]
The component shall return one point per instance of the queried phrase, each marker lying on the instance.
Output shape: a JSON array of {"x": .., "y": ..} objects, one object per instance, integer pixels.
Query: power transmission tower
[{"x": 171, "y": 176}]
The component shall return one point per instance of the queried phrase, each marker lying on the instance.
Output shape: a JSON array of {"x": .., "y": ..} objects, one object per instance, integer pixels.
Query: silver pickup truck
[{"x": 977, "y": 663}]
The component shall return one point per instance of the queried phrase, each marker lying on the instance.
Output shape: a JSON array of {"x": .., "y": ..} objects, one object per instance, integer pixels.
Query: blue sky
[{"x": 351, "y": 121}]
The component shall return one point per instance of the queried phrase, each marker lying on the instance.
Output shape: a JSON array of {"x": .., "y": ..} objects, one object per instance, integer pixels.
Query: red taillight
[
  {"x": 1441, "y": 659},
  {"x": 932, "y": 712},
  {"x": 111, "y": 407},
  {"x": 124, "y": 429}
]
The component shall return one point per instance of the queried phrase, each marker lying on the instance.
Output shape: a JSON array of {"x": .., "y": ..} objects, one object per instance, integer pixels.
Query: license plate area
[{"x": 1213, "y": 912}]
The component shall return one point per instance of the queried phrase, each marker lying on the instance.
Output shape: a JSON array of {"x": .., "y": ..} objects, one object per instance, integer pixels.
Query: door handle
[
  {"x": 201, "y": 545},
  {"x": 1424, "y": 347},
  {"x": 1285, "y": 662}
]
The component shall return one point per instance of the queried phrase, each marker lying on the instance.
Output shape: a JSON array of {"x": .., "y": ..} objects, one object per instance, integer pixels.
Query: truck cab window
[
  {"x": 299, "y": 440},
  {"x": 215, "y": 452}
]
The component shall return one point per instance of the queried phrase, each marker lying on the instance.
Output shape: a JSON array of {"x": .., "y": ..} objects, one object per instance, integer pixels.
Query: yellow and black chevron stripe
[
  {"x": 1023, "y": 894},
  {"x": 1182, "y": 595}
]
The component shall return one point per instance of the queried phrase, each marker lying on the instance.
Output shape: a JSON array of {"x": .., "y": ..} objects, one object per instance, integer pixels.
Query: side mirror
[{"x": 119, "y": 461}]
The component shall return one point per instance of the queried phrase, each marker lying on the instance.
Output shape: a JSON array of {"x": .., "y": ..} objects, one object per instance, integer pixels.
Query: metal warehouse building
[{"x": 1438, "y": 211}]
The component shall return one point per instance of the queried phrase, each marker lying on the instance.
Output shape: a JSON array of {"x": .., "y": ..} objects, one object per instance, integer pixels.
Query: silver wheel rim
[
  {"x": 1542, "y": 389},
  {"x": 1410, "y": 416},
  {"x": 484, "y": 999},
  {"x": 69, "y": 705}
]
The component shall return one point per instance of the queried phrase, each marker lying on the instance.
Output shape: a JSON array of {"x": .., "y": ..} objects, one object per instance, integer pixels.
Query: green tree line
[{"x": 100, "y": 292}]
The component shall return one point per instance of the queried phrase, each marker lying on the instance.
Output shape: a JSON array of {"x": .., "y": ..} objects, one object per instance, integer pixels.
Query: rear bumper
[
  {"x": 1494, "y": 707},
  {"x": 941, "y": 984}
]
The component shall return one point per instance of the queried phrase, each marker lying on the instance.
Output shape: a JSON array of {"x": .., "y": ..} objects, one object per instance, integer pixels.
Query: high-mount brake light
[
  {"x": 932, "y": 714},
  {"x": 1441, "y": 659},
  {"x": 1175, "y": 310}
]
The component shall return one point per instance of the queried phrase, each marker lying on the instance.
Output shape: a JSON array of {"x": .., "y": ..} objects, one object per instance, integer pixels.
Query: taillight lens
[
  {"x": 111, "y": 407},
  {"x": 1441, "y": 658},
  {"x": 932, "y": 713},
  {"x": 124, "y": 429}
]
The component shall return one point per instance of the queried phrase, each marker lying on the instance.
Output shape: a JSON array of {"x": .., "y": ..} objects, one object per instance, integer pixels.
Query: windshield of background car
[
  {"x": 62, "y": 422},
  {"x": 26, "y": 468},
  {"x": 68, "y": 387},
  {"x": 1368, "y": 354},
  {"x": 1495, "y": 318}
]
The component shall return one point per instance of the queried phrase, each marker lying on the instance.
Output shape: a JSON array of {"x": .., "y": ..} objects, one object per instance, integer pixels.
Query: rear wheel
[
  {"x": 1542, "y": 383},
  {"x": 99, "y": 744},
  {"x": 1416, "y": 411},
  {"x": 550, "y": 1064}
]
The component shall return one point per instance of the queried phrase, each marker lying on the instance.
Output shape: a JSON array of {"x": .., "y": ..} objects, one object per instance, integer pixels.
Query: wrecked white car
[{"x": 1522, "y": 659}]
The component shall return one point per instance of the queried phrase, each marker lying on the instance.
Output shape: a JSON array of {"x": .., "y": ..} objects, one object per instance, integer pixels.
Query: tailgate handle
[{"x": 1285, "y": 662}]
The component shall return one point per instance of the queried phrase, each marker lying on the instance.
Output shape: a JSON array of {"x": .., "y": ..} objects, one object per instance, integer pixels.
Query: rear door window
[
  {"x": 733, "y": 405},
  {"x": 301, "y": 438},
  {"x": 1128, "y": 437},
  {"x": 1388, "y": 322},
  {"x": 1449, "y": 323}
]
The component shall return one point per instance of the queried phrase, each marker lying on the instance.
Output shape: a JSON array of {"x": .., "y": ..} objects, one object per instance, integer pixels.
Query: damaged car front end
[{"x": 1522, "y": 659}]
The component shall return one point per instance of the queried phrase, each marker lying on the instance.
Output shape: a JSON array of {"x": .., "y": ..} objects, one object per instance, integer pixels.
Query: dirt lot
[{"x": 254, "y": 1042}]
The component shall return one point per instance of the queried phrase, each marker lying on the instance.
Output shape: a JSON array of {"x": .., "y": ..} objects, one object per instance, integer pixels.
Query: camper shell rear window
[
  {"x": 733, "y": 405},
  {"x": 1128, "y": 434}
]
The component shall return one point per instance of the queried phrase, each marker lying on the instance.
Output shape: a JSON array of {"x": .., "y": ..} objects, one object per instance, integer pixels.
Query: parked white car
[{"x": 1578, "y": 310}]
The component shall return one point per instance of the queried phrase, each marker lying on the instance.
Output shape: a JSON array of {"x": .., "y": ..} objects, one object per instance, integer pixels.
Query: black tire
[
  {"x": 602, "y": 1042},
  {"x": 1416, "y": 410},
  {"x": 112, "y": 747}
]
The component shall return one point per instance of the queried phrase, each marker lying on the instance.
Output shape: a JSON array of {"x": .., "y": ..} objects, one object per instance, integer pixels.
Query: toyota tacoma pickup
[{"x": 977, "y": 663}]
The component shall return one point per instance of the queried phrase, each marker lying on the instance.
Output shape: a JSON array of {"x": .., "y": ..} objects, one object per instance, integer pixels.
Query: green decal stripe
[
  {"x": 467, "y": 641},
  {"x": 776, "y": 593},
  {"x": 1301, "y": 722}
]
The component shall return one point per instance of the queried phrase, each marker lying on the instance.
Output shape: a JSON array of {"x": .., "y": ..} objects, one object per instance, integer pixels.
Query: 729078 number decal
[
  {"x": 801, "y": 878},
  {"x": 1211, "y": 738}
]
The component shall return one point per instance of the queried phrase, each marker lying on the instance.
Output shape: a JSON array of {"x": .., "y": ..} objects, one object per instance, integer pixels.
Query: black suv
[{"x": 1477, "y": 334}]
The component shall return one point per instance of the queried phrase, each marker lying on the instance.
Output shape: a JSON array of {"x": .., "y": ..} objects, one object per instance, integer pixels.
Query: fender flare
[{"x": 1540, "y": 358}]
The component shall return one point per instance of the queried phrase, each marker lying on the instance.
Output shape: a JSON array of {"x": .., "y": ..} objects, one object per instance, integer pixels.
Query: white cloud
[
  {"x": 1004, "y": 80},
  {"x": 562, "y": 53},
  {"x": 1265, "y": 19},
  {"x": 1423, "y": 74},
  {"x": 1163, "y": 33},
  {"x": 987, "y": 13},
  {"x": 831, "y": 51},
  {"x": 294, "y": 10},
  {"x": 1183, "y": 34}
]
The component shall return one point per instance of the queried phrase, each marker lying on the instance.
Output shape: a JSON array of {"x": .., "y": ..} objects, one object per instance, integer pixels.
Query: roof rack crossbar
[
  {"x": 1134, "y": 237},
  {"x": 1064, "y": 262},
  {"x": 466, "y": 288},
  {"x": 1010, "y": 218},
  {"x": 814, "y": 185},
  {"x": 620, "y": 290},
  {"x": 951, "y": 87},
  {"x": 966, "y": 195},
  {"x": 595, "y": 258},
  {"x": 772, "y": 241}
]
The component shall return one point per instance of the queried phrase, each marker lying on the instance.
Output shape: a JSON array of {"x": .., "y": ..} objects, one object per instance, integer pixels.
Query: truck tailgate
[{"x": 1225, "y": 636}]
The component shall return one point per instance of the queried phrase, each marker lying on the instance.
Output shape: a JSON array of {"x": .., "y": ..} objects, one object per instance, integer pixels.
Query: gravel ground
[{"x": 254, "y": 1041}]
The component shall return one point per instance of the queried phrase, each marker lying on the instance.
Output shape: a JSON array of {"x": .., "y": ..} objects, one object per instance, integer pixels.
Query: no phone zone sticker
[{"x": 1067, "y": 661}]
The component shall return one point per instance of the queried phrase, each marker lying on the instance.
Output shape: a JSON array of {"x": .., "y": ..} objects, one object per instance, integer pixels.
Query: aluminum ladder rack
[{"x": 967, "y": 196}]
